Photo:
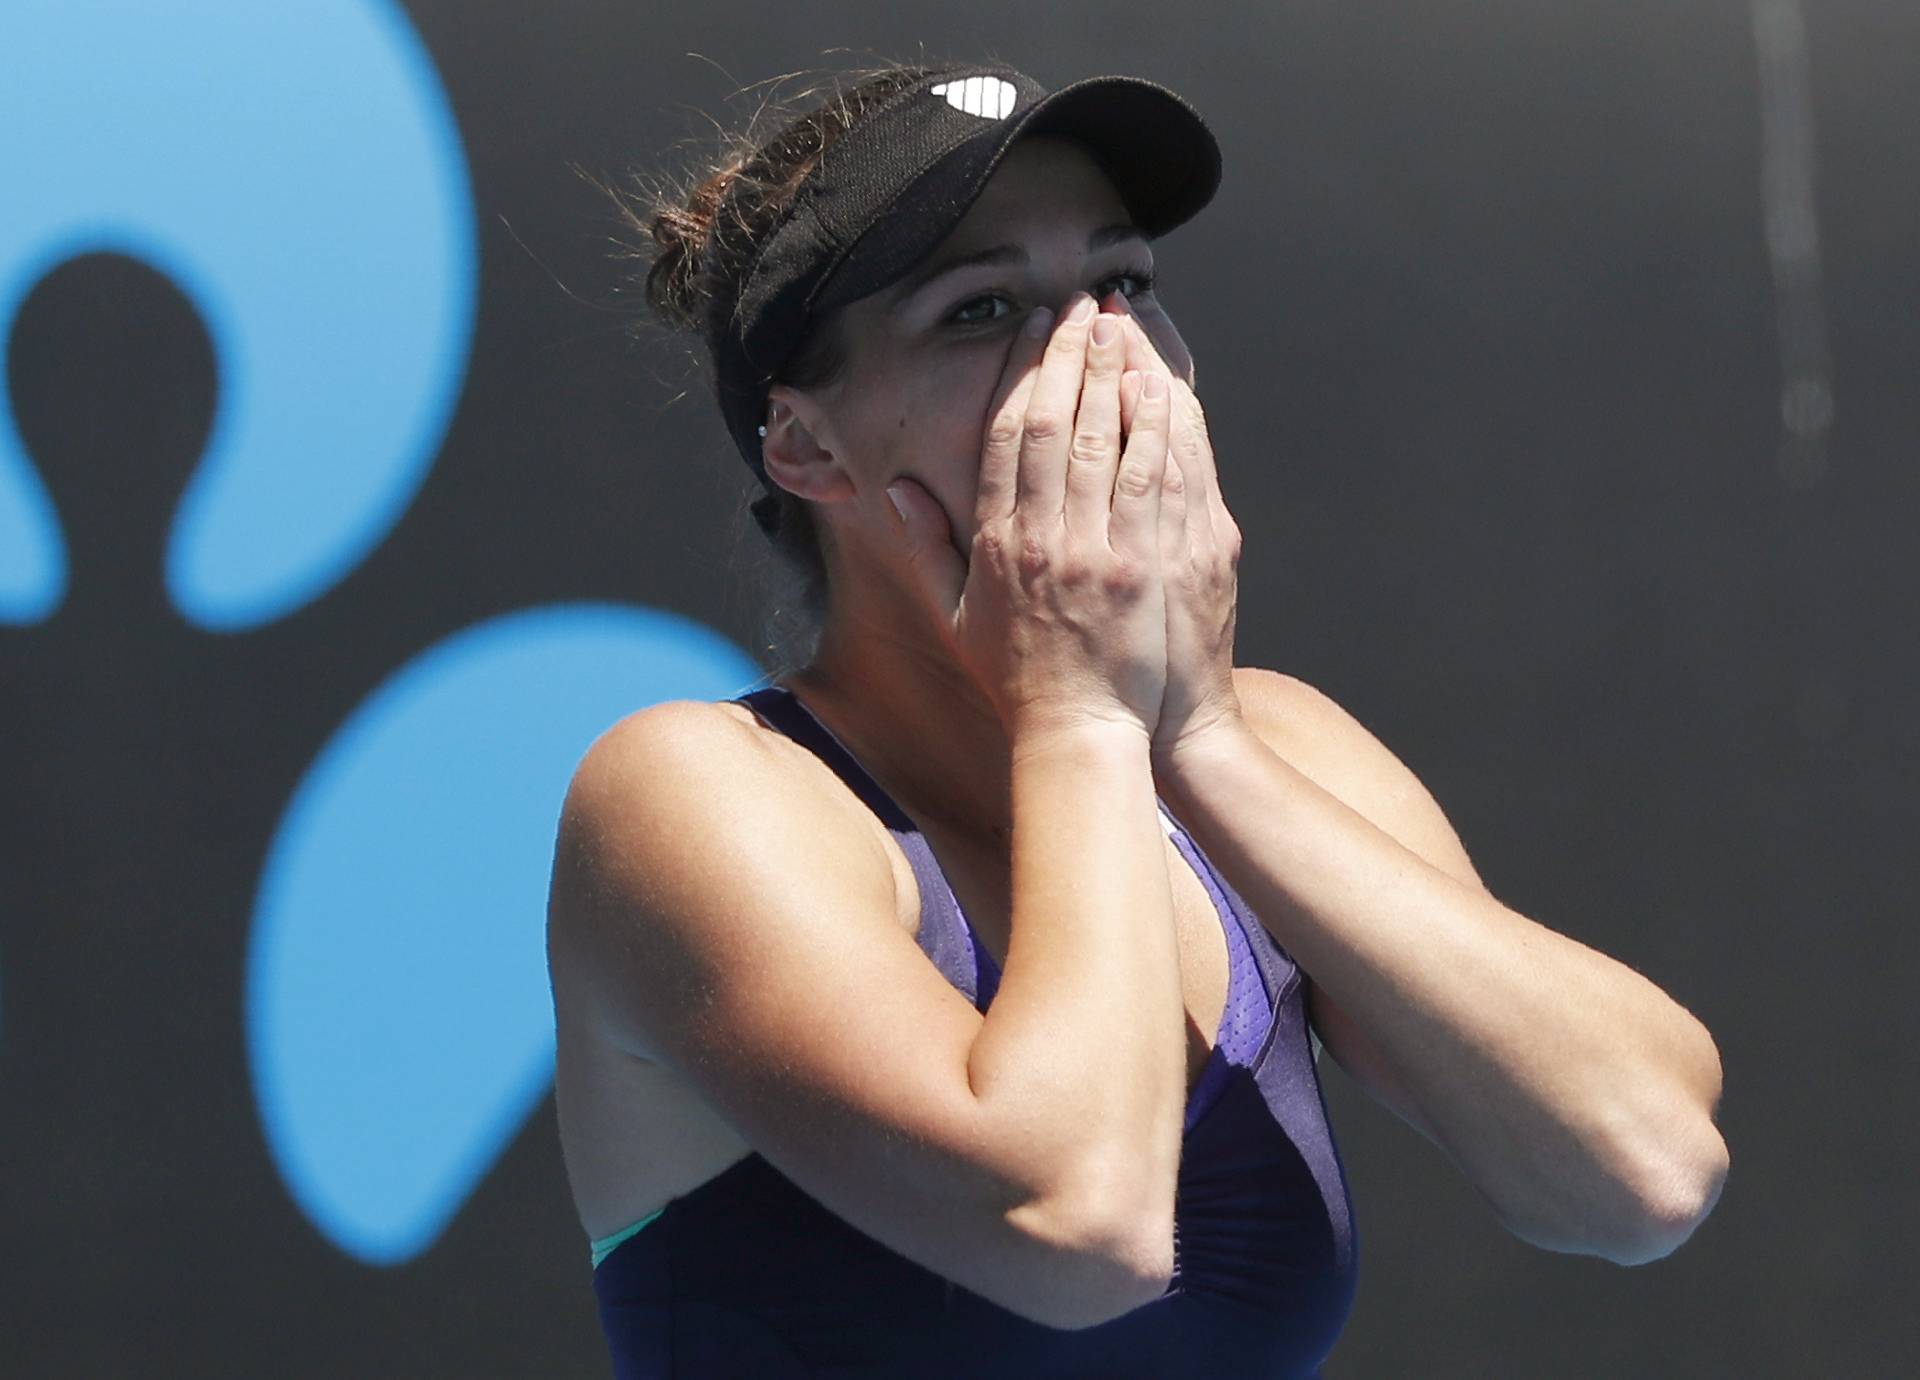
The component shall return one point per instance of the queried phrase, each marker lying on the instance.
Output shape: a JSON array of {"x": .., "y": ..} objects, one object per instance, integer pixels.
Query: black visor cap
[{"x": 1160, "y": 156}]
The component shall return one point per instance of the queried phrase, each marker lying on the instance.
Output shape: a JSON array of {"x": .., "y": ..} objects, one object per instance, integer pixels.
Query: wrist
[
  {"x": 1078, "y": 736},
  {"x": 1188, "y": 751}
]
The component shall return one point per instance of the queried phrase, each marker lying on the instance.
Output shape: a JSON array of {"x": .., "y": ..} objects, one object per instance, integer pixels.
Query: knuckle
[
  {"x": 1090, "y": 448},
  {"x": 1125, "y": 579},
  {"x": 1043, "y": 425},
  {"x": 1035, "y": 557},
  {"x": 1133, "y": 480},
  {"x": 1003, "y": 433}
]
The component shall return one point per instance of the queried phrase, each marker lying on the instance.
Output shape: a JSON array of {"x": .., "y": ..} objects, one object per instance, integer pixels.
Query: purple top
[
  {"x": 746, "y": 1274},
  {"x": 1244, "y": 1020}
]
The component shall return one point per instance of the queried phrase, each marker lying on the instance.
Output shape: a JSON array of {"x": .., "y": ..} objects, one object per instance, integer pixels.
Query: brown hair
[{"x": 694, "y": 258}]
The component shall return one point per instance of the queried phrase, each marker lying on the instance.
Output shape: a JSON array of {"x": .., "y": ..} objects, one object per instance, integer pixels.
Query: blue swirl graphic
[
  {"x": 399, "y": 1023},
  {"x": 297, "y": 172}
]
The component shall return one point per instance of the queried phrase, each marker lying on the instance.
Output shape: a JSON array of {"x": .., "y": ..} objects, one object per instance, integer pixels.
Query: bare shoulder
[
  {"x": 677, "y": 799},
  {"x": 651, "y": 765},
  {"x": 712, "y": 763}
]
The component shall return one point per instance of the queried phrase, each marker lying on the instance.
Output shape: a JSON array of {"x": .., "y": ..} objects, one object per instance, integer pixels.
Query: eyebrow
[{"x": 1005, "y": 254}]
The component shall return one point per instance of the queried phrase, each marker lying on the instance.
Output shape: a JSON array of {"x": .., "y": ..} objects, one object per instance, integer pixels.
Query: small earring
[{"x": 763, "y": 429}]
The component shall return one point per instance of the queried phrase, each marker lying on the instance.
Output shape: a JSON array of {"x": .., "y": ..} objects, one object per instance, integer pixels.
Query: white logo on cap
[{"x": 991, "y": 98}]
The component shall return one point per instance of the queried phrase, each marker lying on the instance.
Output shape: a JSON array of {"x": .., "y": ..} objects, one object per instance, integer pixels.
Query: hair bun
[{"x": 697, "y": 236}]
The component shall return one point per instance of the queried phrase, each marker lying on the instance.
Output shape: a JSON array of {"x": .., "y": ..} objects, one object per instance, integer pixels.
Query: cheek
[
  {"x": 945, "y": 415},
  {"x": 936, "y": 429}
]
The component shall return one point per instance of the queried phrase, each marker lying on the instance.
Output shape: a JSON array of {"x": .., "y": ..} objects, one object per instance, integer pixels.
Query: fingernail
[
  {"x": 1081, "y": 311},
  {"x": 899, "y": 504},
  {"x": 1154, "y": 386},
  {"x": 1038, "y": 322},
  {"x": 1106, "y": 330}
]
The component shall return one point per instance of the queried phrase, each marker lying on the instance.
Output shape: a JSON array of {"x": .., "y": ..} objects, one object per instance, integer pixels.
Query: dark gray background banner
[{"x": 1591, "y": 500}]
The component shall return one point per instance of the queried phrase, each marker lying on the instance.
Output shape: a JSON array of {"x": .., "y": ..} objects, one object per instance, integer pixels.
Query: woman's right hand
[{"x": 1059, "y": 615}]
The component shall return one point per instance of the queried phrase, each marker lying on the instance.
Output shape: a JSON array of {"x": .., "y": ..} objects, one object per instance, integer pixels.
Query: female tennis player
[{"x": 949, "y": 1006}]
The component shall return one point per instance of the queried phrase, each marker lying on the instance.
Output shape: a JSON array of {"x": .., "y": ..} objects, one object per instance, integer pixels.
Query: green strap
[{"x": 603, "y": 1247}]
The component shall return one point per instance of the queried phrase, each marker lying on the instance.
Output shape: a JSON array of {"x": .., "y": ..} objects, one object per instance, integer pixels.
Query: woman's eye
[
  {"x": 960, "y": 316},
  {"x": 1142, "y": 280}
]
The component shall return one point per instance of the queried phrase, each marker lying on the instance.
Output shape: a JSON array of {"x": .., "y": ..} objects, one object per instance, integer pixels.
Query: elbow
[
  {"x": 1675, "y": 1198},
  {"x": 1115, "y": 1288},
  {"x": 1680, "y": 1167},
  {"x": 1130, "y": 1266},
  {"x": 1107, "y": 1278},
  {"x": 1098, "y": 1262},
  {"x": 1122, "y": 1215},
  {"x": 1152, "y": 1266},
  {"x": 1641, "y": 1209}
]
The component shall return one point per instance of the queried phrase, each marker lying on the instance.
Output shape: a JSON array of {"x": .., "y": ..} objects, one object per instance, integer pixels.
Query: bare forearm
[
  {"x": 1570, "y": 1090},
  {"x": 1084, "y": 1044}
]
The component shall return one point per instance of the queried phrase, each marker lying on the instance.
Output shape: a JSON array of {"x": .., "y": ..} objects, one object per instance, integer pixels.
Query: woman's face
[{"x": 925, "y": 356}]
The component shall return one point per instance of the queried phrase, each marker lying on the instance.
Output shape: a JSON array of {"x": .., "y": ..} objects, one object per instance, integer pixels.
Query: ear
[{"x": 794, "y": 452}]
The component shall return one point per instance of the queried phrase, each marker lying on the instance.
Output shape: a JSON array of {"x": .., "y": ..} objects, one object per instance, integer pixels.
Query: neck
[{"x": 918, "y": 723}]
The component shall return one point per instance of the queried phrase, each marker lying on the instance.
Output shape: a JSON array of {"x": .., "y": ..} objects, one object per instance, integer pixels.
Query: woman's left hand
[{"x": 1200, "y": 557}]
